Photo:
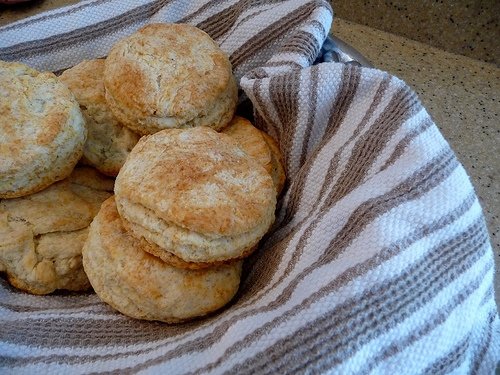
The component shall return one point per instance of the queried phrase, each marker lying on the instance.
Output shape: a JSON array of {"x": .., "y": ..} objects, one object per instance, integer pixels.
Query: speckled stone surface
[
  {"x": 466, "y": 27},
  {"x": 463, "y": 97}
]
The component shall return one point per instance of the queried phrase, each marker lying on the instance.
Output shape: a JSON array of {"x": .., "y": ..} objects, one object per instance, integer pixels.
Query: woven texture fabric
[{"x": 379, "y": 261}]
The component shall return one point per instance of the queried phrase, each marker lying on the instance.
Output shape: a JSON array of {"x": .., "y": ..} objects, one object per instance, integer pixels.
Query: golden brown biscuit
[
  {"x": 41, "y": 235},
  {"x": 141, "y": 285},
  {"x": 260, "y": 146},
  {"x": 177, "y": 262},
  {"x": 277, "y": 169},
  {"x": 108, "y": 142},
  {"x": 169, "y": 76},
  {"x": 196, "y": 194},
  {"x": 42, "y": 130}
]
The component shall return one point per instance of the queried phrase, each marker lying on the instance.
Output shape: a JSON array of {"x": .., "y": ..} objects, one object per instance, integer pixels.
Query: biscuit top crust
[
  {"x": 85, "y": 81},
  {"x": 167, "y": 70},
  {"x": 197, "y": 179},
  {"x": 250, "y": 139},
  {"x": 35, "y": 111},
  {"x": 108, "y": 141}
]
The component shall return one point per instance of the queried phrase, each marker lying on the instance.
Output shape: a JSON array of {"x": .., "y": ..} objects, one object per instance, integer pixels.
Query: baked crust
[
  {"x": 169, "y": 76},
  {"x": 260, "y": 146},
  {"x": 42, "y": 235},
  {"x": 42, "y": 130},
  {"x": 171, "y": 258},
  {"x": 195, "y": 193},
  {"x": 108, "y": 142},
  {"x": 141, "y": 285},
  {"x": 277, "y": 169}
]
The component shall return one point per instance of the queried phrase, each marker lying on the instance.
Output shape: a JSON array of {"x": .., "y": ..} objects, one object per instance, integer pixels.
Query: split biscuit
[
  {"x": 196, "y": 194},
  {"x": 177, "y": 262},
  {"x": 127, "y": 277},
  {"x": 42, "y": 130},
  {"x": 108, "y": 142},
  {"x": 169, "y": 76},
  {"x": 260, "y": 146},
  {"x": 42, "y": 235}
]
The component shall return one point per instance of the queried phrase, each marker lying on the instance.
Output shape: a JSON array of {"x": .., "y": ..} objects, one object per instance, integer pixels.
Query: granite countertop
[{"x": 460, "y": 93}]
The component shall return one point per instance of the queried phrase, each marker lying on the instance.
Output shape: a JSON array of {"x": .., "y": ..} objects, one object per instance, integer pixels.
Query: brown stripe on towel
[
  {"x": 370, "y": 145},
  {"x": 351, "y": 75},
  {"x": 360, "y": 315},
  {"x": 304, "y": 43},
  {"x": 50, "y": 44},
  {"x": 313, "y": 95},
  {"x": 22, "y": 308},
  {"x": 88, "y": 332},
  {"x": 203, "y": 9},
  {"x": 451, "y": 361},
  {"x": 404, "y": 143},
  {"x": 314, "y": 343},
  {"x": 349, "y": 85},
  {"x": 286, "y": 106},
  {"x": 418, "y": 184},
  {"x": 488, "y": 296},
  {"x": 433, "y": 323},
  {"x": 217, "y": 29},
  {"x": 261, "y": 106},
  {"x": 372, "y": 313},
  {"x": 76, "y": 8},
  {"x": 272, "y": 32},
  {"x": 245, "y": 19},
  {"x": 485, "y": 343}
]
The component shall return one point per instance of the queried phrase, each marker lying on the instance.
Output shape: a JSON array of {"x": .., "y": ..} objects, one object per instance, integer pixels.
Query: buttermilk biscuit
[
  {"x": 142, "y": 286},
  {"x": 196, "y": 194},
  {"x": 177, "y": 262},
  {"x": 42, "y": 235},
  {"x": 277, "y": 169},
  {"x": 108, "y": 142},
  {"x": 260, "y": 146},
  {"x": 169, "y": 76},
  {"x": 42, "y": 131}
]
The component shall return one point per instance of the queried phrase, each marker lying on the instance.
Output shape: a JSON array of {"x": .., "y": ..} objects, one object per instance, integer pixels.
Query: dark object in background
[{"x": 7, "y": 2}]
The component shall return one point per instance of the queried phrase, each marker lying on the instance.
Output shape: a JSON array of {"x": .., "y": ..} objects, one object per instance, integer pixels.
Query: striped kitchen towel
[{"x": 379, "y": 261}]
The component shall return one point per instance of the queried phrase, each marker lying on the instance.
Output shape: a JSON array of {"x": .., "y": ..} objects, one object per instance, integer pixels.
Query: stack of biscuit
[
  {"x": 195, "y": 187},
  {"x": 46, "y": 205}
]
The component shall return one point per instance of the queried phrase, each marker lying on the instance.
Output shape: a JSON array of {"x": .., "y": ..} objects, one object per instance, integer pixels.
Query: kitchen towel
[{"x": 379, "y": 261}]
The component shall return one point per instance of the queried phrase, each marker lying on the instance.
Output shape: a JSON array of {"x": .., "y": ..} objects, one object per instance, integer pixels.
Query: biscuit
[
  {"x": 260, "y": 146},
  {"x": 41, "y": 235},
  {"x": 42, "y": 130},
  {"x": 108, "y": 142},
  {"x": 169, "y": 76},
  {"x": 195, "y": 193},
  {"x": 177, "y": 262},
  {"x": 277, "y": 165},
  {"x": 142, "y": 286}
]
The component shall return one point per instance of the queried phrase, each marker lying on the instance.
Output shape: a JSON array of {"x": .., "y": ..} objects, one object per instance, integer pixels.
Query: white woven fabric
[{"x": 379, "y": 262}]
